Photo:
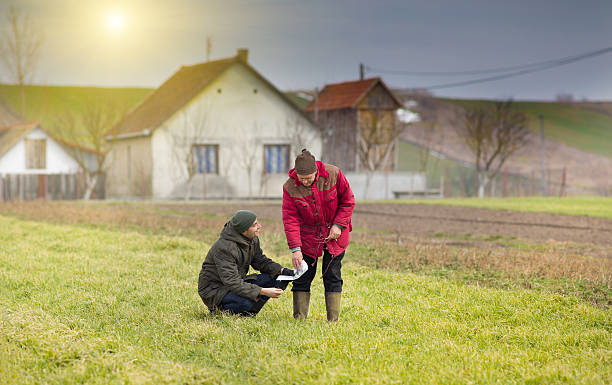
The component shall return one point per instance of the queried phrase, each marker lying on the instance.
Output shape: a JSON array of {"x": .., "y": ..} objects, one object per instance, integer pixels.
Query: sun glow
[{"x": 115, "y": 21}]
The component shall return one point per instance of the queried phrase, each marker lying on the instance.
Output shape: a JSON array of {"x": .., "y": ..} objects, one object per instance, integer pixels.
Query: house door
[{"x": 42, "y": 186}]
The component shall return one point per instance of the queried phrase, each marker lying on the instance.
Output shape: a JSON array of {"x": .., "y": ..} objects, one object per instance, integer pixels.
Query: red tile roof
[{"x": 342, "y": 95}]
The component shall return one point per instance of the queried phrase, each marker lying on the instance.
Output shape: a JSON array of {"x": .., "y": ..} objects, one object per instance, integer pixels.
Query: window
[
  {"x": 276, "y": 158},
  {"x": 205, "y": 158},
  {"x": 36, "y": 153}
]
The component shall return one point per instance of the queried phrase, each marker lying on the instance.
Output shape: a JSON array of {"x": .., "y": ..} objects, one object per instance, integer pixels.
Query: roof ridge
[
  {"x": 353, "y": 81},
  {"x": 168, "y": 86}
]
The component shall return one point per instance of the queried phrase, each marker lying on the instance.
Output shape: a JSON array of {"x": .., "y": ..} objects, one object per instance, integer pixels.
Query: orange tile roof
[
  {"x": 8, "y": 117},
  {"x": 342, "y": 95},
  {"x": 10, "y": 135},
  {"x": 176, "y": 92}
]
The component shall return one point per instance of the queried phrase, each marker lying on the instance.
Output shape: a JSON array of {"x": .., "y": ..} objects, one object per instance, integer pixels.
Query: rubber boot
[
  {"x": 332, "y": 305},
  {"x": 301, "y": 301}
]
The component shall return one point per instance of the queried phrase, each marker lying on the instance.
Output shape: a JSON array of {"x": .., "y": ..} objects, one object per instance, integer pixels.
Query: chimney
[{"x": 243, "y": 54}]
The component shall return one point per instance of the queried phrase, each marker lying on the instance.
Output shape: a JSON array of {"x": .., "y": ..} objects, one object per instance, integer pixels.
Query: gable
[
  {"x": 178, "y": 91},
  {"x": 18, "y": 158},
  {"x": 341, "y": 95},
  {"x": 378, "y": 97},
  {"x": 172, "y": 95},
  {"x": 239, "y": 102}
]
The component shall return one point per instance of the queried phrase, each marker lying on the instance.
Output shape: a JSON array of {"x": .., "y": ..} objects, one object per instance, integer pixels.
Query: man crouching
[{"x": 224, "y": 284}]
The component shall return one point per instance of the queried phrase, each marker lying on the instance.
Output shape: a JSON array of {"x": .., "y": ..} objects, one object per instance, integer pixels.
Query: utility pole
[
  {"x": 361, "y": 71},
  {"x": 316, "y": 105},
  {"x": 542, "y": 155}
]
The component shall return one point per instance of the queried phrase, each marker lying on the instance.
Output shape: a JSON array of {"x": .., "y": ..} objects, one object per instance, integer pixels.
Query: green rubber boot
[
  {"x": 332, "y": 305},
  {"x": 301, "y": 301}
]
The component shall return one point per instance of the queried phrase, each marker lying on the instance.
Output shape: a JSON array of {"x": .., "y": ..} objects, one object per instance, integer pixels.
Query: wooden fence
[{"x": 46, "y": 186}]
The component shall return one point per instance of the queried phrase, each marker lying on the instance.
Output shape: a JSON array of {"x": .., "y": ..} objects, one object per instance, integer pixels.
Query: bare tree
[
  {"x": 300, "y": 135},
  {"x": 226, "y": 165},
  {"x": 493, "y": 134},
  {"x": 209, "y": 44},
  {"x": 431, "y": 141},
  {"x": 378, "y": 131},
  {"x": 183, "y": 142},
  {"x": 247, "y": 158},
  {"x": 84, "y": 138},
  {"x": 19, "y": 50}
]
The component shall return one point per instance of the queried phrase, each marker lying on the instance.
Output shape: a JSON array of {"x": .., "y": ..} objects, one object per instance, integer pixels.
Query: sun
[{"x": 115, "y": 21}]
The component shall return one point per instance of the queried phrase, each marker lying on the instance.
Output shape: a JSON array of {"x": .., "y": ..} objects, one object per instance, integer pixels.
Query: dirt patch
[
  {"x": 401, "y": 220},
  {"x": 428, "y": 220}
]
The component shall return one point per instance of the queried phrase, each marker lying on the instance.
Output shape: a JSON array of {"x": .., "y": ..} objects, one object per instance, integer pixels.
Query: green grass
[
  {"x": 600, "y": 207},
  {"x": 576, "y": 126},
  {"x": 96, "y": 306},
  {"x": 409, "y": 159}
]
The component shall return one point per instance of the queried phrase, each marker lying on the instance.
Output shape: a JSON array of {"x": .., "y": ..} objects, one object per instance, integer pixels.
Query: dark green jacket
[{"x": 227, "y": 264}]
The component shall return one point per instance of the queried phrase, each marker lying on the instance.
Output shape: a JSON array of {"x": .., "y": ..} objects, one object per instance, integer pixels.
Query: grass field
[
  {"x": 600, "y": 207},
  {"x": 409, "y": 159},
  {"x": 117, "y": 303}
]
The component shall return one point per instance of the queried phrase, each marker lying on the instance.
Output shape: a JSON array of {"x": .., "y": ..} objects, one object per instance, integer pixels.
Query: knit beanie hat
[
  {"x": 242, "y": 220},
  {"x": 305, "y": 163}
]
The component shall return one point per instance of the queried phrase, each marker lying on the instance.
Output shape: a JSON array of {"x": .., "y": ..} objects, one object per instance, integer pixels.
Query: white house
[
  {"x": 26, "y": 148},
  {"x": 29, "y": 155},
  {"x": 213, "y": 130}
]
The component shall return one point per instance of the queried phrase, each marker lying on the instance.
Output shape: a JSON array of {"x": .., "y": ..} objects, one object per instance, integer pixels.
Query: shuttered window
[
  {"x": 276, "y": 158},
  {"x": 36, "y": 153},
  {"x": 205, "y": 158}
]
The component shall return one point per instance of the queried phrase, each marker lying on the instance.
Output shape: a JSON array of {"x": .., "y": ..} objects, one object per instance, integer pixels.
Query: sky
[{"x": 303, "y": 44}]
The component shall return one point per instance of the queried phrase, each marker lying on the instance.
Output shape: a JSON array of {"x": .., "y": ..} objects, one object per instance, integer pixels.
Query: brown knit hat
[{"x": 305, "y": 163}]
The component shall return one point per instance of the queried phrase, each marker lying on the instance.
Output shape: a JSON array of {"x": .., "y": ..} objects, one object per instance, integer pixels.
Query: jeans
[
  {"x": 236, "y": 304},
  {"x": 331, "y": 270}
]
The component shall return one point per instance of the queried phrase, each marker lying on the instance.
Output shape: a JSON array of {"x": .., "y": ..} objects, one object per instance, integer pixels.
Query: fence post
[
  {"x": 78, "y": 185},
  {"x": 505, "y": 186},
  {"x": 447, "y": 190},
  {"x": 562, "y": 188}
]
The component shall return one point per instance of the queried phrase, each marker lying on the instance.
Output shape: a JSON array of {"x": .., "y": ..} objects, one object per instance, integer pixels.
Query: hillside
[
  {"x": 578, "y": 137},
  {"x": 49, "y": 104}
]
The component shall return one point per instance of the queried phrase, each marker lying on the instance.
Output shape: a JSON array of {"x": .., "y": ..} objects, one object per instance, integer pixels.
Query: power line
[
  {"x": 490, "y": 70},
  {"x": 522, "y": 69}
]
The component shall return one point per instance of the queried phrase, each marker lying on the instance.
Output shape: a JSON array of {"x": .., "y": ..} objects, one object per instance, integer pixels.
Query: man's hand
[
  {"x": 296, "y": 259},
  {"x": 334, "y": 233},
  {"x": 271, "y": 292}
]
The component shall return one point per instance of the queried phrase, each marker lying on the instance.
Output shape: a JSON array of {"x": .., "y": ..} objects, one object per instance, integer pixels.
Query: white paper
[{"x": 303, "y": 268}]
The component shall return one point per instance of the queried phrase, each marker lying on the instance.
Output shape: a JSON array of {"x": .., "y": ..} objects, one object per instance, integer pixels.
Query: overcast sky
[{"x": 307, "y": 43}]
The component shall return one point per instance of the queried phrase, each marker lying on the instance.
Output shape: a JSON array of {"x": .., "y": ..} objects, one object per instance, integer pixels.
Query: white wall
[
  {"x": 57, "y": 162},
  {"x": 382, "y": 185},
  {"x": 241, "y": 121}
]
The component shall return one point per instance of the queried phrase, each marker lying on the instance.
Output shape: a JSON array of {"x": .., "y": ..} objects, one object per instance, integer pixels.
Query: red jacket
[{"x": 309, "y": 212}]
